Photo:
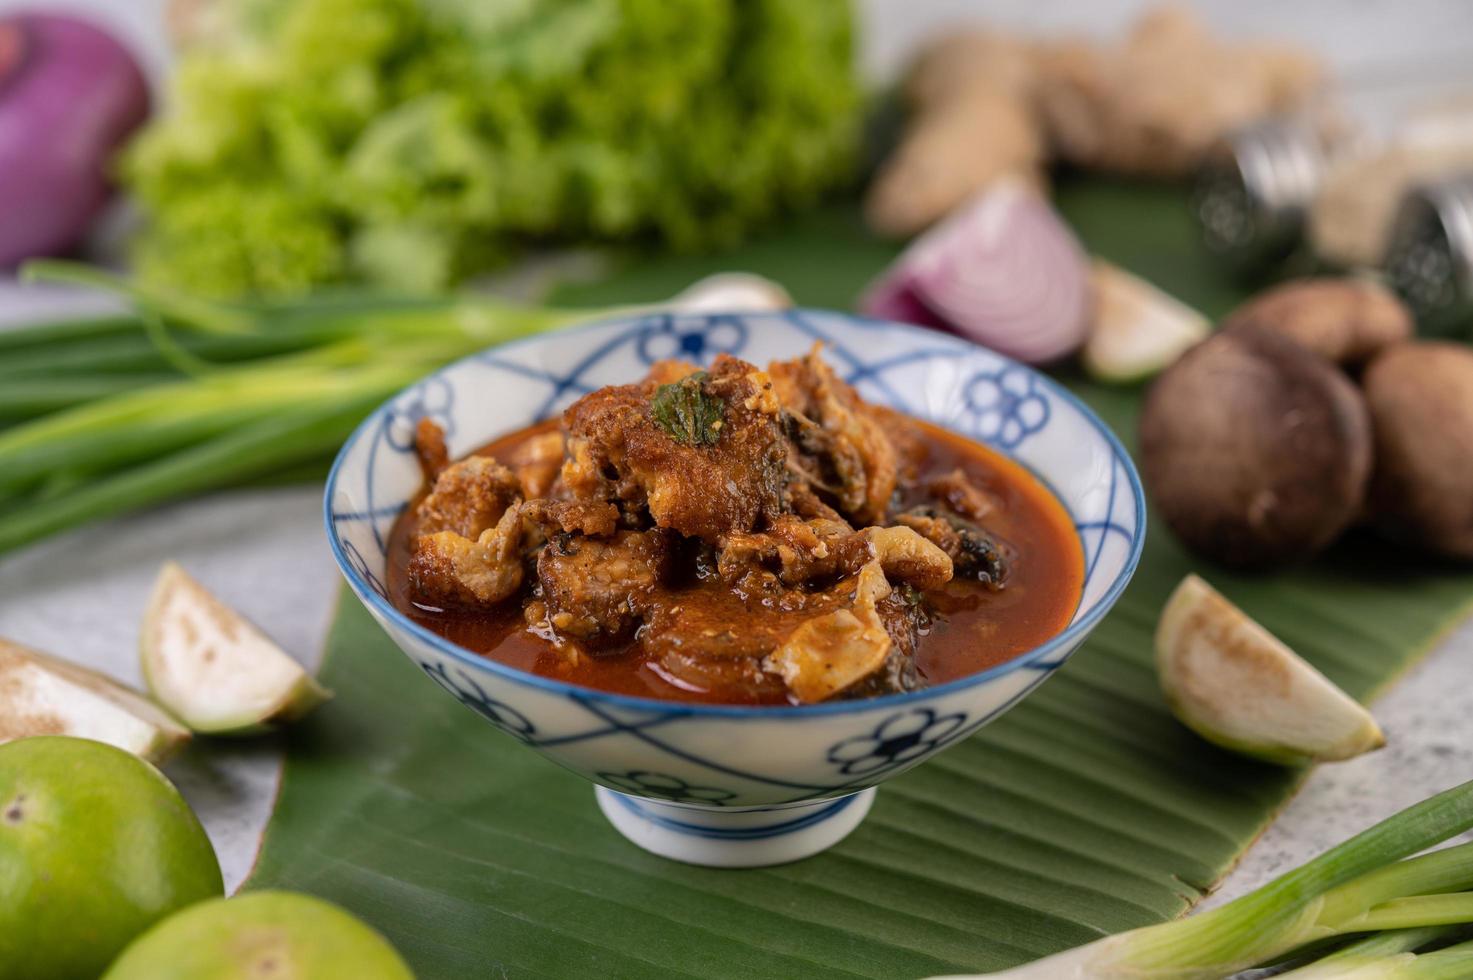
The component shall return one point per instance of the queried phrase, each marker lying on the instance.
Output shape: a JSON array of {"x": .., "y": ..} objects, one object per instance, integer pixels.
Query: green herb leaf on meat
[{"x": 687, "y": 412}]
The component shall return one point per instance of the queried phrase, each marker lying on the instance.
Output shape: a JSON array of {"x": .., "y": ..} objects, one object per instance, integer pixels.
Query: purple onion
[
  {"x": 69, "y": 95},
  {"x": 1004, "y": 271}
]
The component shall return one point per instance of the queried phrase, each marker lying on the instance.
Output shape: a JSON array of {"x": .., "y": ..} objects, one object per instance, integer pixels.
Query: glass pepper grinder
[
  {"x": 1330, "y": 177},
  {"x": 1429, "y": 255},
  {"x": 1252, "y": 197}
]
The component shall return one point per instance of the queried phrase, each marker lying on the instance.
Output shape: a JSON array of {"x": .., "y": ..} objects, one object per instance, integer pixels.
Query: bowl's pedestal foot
[{"x": 734, "y": 838}]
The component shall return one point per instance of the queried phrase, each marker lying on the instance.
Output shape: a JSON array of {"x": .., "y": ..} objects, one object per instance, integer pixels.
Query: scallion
[
  {"x": 1363, "y": 885},
  {"x": 1379, "y": 950},
  {"x": 246, "y": 453},
  {"x": 188, "y": 395}
]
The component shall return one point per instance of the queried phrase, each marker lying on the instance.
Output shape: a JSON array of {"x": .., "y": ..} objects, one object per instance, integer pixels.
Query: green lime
[
  {"x": 260, "y": 935},
  {"x": 95, "y": 847}
]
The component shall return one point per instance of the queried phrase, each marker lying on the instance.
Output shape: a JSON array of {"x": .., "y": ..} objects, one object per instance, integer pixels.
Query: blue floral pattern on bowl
[
  {"x": 431, "y": 399},
  {"x": 731, "y": 758},
  {"x": 1006, "y": 406},
  {"x": 666, "y": 337},
  {"x": 465, "y": 689},
  {"x": 904, "y": 736}
]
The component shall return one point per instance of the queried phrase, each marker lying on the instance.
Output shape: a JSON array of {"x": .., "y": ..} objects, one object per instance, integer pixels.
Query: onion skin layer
[
  {"x": 69, "y": 96},
  {"x": 1004, "y": 271}
]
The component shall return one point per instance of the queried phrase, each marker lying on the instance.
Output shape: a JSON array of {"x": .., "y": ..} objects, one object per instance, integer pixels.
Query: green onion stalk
[
  {"x": 1369, "y": 884},
  {"x": 1386, "y": 955},
  {"x": 108, "y": 414}
]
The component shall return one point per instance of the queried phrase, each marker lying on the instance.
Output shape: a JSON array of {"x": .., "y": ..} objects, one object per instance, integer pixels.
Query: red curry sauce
[{"x": 971, "y": 628}]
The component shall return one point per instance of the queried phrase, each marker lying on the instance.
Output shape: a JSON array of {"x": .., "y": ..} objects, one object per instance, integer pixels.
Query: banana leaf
[{"x": 1085, "y": 810}]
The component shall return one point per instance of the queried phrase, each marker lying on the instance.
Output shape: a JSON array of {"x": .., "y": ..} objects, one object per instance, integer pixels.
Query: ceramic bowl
[{"x": 730, "y": 785}]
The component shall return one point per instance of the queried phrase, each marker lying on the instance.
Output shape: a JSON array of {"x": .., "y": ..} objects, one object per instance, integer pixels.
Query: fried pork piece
[
  {"x": 722, "y": 639},
  {"x": 708, "y": 654},
  {"x": 468, "y": 497},
  {"x": 572, "y": 517},
  {"x": 907, "y": 556},
  {"x": 974, "y": 553},
  {"x": 429, "y": 448},
  {"x": 597, "y": 591},
  {"x": 903, "y": 617},
  {"x": 450, "y": 569},
  {"x": 962, "y": 496},
  {"x": 670, "y": 371},
  {"x": 836, "y": 651},
  {"x": 797, "y": 551},
  {"x": 471, "y": 533},
  {"x": 536, "y": 463},
  {"x": 800, "y": 552},
  {"x": 804, "y": 501},
  {"x": 703, "y": 455},
  {"x": 842, "y": 447},
  {"x": 911, "y": 450}
]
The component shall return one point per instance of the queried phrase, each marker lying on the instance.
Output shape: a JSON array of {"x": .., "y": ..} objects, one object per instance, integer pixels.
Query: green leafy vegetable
[
  {"x": 411, "y": 143},
  {"x": 688, "y": 412}
]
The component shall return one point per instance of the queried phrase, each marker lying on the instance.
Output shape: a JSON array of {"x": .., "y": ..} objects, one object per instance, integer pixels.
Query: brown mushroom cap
[
  {"x": 1421, "y": 402},
  {"x": 1256, "y": 451},
  {"x": 1347, "y": 320}
]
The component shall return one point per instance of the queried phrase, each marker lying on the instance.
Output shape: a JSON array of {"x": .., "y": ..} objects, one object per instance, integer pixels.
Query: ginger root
[
  {"x": 971, "y": 123},
  {"x": 986, "y": 105},
  {"x": 1155, "y": 105},
  {"x": 949, "y": 155}
]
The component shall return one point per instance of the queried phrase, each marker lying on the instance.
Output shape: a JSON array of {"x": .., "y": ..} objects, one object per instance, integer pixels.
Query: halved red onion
[
  {"x": 69, "y": 95},
  {"x": 1004, "y": 271}
]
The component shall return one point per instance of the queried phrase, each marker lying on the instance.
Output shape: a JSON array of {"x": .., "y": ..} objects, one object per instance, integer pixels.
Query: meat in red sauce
[{"x": 737, "y": 536}]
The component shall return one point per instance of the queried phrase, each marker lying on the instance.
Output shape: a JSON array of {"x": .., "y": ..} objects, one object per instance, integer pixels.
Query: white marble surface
[{"x": 81, "y": 594}]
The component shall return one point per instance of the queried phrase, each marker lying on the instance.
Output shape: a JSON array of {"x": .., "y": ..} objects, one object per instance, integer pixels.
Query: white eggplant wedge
[
  {"x": 1235, "y": 684},
  {"x": 44, "y": 695},
  {"x": 1138, "y": 330},
  {"x": 725, "y": 292},
  {"x": 213, "y": 669}
]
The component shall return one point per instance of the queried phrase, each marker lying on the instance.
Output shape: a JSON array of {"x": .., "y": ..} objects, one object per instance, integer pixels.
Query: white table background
[{"x": 81, "y": 594}]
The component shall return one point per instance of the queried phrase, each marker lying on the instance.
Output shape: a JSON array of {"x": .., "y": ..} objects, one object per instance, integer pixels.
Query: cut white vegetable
[
  {"x": 1235, "y": 684},
  {"x": 1137, "y": 329},
  {"x": 731, "y": 292},
  {"x": 43, "y": 695},
  {"x": 212, "y": 668}
]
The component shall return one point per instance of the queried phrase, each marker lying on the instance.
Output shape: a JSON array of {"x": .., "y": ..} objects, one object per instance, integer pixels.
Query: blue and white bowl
[{"x": 730, "y": 785}]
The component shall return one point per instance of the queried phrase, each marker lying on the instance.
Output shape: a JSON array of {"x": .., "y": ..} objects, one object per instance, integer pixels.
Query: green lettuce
[{"x": 411, "y": 143}]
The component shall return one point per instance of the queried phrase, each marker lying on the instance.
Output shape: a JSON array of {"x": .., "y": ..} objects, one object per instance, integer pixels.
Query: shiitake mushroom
[
  {"x": 1421, "y": 402},
  {"x": 1346, "y": 319},
  {"x": 1256, "y": 451}
]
